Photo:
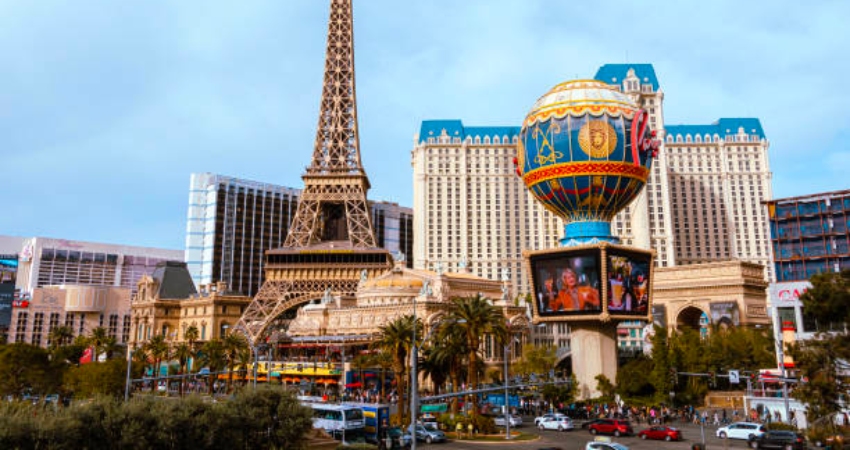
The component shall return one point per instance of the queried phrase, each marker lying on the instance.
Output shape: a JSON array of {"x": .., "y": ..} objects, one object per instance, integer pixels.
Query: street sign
[{"x": 734, "y": 377}]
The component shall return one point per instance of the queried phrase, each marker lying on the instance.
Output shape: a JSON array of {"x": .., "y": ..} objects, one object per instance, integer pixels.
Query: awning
[{"x": 354, "y": 385}]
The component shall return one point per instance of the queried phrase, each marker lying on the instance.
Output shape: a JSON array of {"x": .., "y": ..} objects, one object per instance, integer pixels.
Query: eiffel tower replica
[{"x": 331, "y": 241}]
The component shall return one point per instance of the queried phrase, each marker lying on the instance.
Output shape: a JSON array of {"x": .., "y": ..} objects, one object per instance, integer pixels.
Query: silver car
[{"x": 515, "y": 421}]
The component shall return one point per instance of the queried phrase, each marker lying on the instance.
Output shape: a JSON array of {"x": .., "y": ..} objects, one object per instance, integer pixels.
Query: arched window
[
  {"x": 486, "y": 140},
  {"x": 496, "y": 140},
  {"x": 708, "y": 138},
  {"x": 688, "y": 138},
  {"x": 679, "y": 138},
  {"x": 698, "y": 139},
  {"x": 477, "y": 139}
]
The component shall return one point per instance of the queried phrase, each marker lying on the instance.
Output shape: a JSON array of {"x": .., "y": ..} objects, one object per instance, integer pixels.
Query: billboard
[
  {"x": 628, "y": 282},
  {"x": 586, "y": 282},
  {"x": 567, "y": 283}
]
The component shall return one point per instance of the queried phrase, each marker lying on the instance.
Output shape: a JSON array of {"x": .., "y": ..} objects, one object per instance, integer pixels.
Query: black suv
[{"x": 781, "y": 439}]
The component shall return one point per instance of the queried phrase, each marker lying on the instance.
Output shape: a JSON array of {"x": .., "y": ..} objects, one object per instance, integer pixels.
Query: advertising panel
[
  {"x": 787, "y": 293},
  {"x": 628, "y": 282},
  {"x": 725, "y": 312},
  {"x": 567, "y": 283}
]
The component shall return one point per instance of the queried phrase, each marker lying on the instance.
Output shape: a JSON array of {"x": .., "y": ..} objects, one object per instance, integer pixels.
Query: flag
[{"x": 88, "y": 353}]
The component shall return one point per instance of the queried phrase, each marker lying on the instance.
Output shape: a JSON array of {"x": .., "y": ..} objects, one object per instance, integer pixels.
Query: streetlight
[
  {"x": 129, "y": 364},
  {"x": 507, "y": 396}
]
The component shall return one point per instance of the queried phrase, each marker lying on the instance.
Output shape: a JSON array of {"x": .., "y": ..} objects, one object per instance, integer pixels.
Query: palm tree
[
  {"x": 98, "y": 338},
  {"x": 190, "y": 335},
  {"x": 182, "y": 352},
  {"x": 450, "y": 350},
  {"x": 157, "y": 349},
  {"x": 384, "y": 361},
  {"x": 214, "y": 356},
  {"x": 476, "y": 317},
  {"x": 234, "y": 344},
  {"x": 60, "y": 336},
  {"x": 396, "y": 339}
]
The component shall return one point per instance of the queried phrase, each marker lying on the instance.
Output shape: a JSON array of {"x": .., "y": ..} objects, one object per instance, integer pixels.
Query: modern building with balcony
[{"x": 809, "y": 235}]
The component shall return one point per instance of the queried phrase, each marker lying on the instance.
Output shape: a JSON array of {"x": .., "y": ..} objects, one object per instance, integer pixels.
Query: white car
[
  {"x": 741, "y": 430},
  {"x": 539, "y": 419},
  {"x": 556, "y": 423},
  {"x": 603, "y": 443},
  {"x": 514, "y": 420}
]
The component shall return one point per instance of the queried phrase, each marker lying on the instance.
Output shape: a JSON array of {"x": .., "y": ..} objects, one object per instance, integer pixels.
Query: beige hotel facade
[{"x": 702, "y": 203}]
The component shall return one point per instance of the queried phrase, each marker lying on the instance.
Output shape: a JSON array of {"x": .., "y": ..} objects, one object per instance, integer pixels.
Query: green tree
[
  {"x": 87, "y": 380},
  {"x": 477, "y": 318},
  {"x": 214, "y": 356},
  {"x": 99, "y": 339},
  {"x": 634, "y": 378},
  {"x": 234, "y": 344},
  {"x": 822, "y": 360},
  {"x": 25, "y": 367},
  {"x": 535, "y": 360},
  {"x": 191, "y": 335},
  {"x": 158, "y": 350},
  {"x": 396, "y": 339},
  {"x": 60, "y": 336},
  {"x": 605, "y": 387},
  {"x": 183, "y": 353},
  {"x": 450, "y": 349}
]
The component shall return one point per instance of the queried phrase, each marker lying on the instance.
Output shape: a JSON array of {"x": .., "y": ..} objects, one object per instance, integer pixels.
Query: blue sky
[{"x": 107, "y": 107}]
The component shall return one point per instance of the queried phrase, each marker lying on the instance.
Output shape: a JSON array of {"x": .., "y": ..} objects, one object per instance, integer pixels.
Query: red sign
[{"x": 20, "y": 303}]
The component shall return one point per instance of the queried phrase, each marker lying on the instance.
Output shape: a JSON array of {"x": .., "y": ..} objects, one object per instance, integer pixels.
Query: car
[
  {"x": 398, "y": 438},
  {"x": 661, "y": 432},
  {"x": 515, "y": 421},
  {"x": 611, "y": 426},
  {"x": 590, "y": 422},
  {"x": 562, "y": 423},
  {"x": 547, "y": 416},
  {"x": 428, "y": 436},
  {"x": 603, "y": 443},
  {"x": 741, "y": 430},
  {"x": 781, "y": 439}
]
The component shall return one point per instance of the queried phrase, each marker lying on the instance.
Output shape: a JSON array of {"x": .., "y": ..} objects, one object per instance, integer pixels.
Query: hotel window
[{"x": 21, "y": 327}]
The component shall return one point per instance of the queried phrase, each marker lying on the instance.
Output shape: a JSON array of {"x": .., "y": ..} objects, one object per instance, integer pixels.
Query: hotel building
[
  {"x": 702, "y": 202},
  {"x": 232, "y": 222},
  {"x": 83, "y": 285},
  {"x": 809, "y": 235}
]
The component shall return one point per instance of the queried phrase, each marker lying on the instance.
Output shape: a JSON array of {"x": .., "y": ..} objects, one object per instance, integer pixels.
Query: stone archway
[{"x": 689, "y": 317}]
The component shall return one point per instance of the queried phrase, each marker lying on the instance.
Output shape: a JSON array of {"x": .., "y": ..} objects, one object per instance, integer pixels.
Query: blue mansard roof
[
  {"x": 723, "y": 127},
  {"x": 615, "y": 73},
  {"x": 455, "y": 129}
]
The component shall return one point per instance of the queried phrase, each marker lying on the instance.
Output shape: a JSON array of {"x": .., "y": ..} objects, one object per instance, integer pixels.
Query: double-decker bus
[{"x": 343, "y": 422}]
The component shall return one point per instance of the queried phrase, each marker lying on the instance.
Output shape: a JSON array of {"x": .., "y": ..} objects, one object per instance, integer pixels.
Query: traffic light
[{"x": 712, "y": 379}]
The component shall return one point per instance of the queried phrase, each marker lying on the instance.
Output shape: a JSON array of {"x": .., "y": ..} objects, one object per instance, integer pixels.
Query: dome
[{"x": 584, "y": 152}]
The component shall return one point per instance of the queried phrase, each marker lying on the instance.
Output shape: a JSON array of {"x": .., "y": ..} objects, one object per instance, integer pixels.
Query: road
[{"x": 576, "y": 440}]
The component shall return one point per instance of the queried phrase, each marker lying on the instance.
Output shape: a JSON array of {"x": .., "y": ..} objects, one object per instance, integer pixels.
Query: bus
[
  {"x": 376, "y": 420},
  {"x": 345, "y": 423}
]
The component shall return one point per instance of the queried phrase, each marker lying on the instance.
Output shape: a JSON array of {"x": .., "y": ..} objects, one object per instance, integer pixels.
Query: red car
[
  {"x": 611, "y": 426},
  {"x": 661, "y": 432}
]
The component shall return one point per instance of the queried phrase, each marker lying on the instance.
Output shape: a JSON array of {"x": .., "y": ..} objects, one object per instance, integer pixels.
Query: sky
[{"x": 106, "y": 108}]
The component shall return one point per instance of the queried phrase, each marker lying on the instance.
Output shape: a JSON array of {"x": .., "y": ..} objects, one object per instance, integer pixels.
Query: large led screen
[
  {"x": 628, "y": 282},
  {"x": 567, "y": 283}
]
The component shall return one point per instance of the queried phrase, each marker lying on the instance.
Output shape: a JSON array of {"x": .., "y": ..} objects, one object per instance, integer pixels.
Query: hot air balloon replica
[{"x": 585, "y": 152}]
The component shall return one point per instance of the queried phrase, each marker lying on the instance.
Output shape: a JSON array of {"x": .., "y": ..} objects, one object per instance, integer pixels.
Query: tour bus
[{"x": 345, "y": 423}]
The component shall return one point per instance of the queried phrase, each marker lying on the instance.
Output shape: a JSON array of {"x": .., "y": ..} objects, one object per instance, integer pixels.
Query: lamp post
[
  {"x": 129, "y": 364},
  {"x": 507, "y": 397},
  {"x": 414, "y": 373}
]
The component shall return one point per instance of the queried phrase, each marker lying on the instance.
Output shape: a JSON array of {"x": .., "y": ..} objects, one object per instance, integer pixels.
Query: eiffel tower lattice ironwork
[{"x": 331, "y": 240}]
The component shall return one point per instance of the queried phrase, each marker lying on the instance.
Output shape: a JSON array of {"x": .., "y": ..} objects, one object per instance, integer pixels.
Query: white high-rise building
[
  {"x": 471, "y": 208},
  {"x": 719, "y": 176},
  {"x": 702, "y": 201}
]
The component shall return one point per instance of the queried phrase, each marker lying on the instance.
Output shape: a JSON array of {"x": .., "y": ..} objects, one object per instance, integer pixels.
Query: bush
[
  {"x": 357, "y": 447},
  {"x": 781, "y": 426},
  {"x": 266, "y": 418}
]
